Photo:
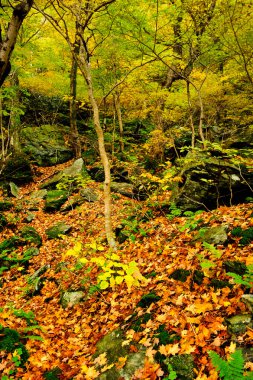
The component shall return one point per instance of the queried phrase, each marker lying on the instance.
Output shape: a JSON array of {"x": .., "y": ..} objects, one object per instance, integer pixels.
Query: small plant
[
  {"x": 192, "y": 223},
  {"x": 71, "y": 183},
  {"x": 246, "y": 279},
  {"x": 207, "y": 264},
  {"x": 232, "y": 369},
  {"x": 115, "y": 272},
  {"x": 245, "y": 235},
  {"x": 174, "y": 211},
  {"x": 172, "y": 374}
]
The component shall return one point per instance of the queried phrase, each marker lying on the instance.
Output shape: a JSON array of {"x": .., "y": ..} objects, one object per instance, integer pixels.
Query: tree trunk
[
  {"x": 85, "y": 68},
  {"x": 7, "y": 44},
  {"x": 119, "y": 116},
  {"x": 74, "y": 135}
]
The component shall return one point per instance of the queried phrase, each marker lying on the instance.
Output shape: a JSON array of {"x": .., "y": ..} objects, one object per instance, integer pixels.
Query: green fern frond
[{"x": 231, "y": 369}]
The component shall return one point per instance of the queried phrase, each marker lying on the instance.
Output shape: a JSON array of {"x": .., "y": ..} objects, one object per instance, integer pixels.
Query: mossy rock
[
  {"x": 3, "y": 222},
  {"x": 238, "y": 323},
  {"x": 45, "y": 145},
  {"x": 71, "y": 298},
  {"x": 220, "y": 284},
  {"x": 58, "y": 229},
  {"x": 237, "y": 267},
  {"x": 213, "y": 235},
  {"x": 53, "y": 374},
  {"x": 246, "y": 235},
  {"x": 180, "y": 274},
  {"x": 17, "y": 169},
  {"x": 148, "y": 299},
  {"x": 183, "y": 365},
  {"x": 5, "y": 205},
  {"x": 112, "y": 345},
  {"x": 55, "y": 199},
  {"x": 30, "y": 235},
  {"x": 67, "y": 176}
]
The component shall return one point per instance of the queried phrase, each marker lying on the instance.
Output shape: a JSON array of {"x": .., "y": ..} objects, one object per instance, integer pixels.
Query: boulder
[
  {"x": 209, "y": 182},
  {"x": 71, "y": 298},
  {"x": 55, "y": 199},
  {"x": 30, "y": 235},
  {"x": 5, "y": 205},
  {"x": 183, "y": 365},
  {"x": 85, "y": 195},
  {"x": 112, "y": 345},
  {"x": 58, "y": 229},
  {"x": 213, "y": 235},
  {"x": 238, "y": 323},
  {"x": 16, "y": 169},
  {"x": 123, "y": 188},
  {"x": 76, "y": 170},
  {"x": 45, "y": 145}
]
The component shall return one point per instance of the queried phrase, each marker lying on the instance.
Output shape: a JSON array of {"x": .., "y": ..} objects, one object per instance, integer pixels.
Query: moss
[
  {"x": 10, "y": 340},
  {"x": 235, "y": 267},
  {"x": 219, "y": 284},
  {"x": 165, "y": 336},
  {"x": 148, "y": 299},
  {"x": 137, "y": 322},
  {"x": 183, "y": 365},
  {"x": 180, "y": 274},
  {"x": 53, "y": 374},
  {"x": 245, "y": 235},
  {"x": 29, "y": 234}
]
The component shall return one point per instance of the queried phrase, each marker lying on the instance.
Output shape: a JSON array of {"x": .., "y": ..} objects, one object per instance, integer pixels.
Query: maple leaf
[
  {"x": 90, "y": 372},
  {"x": 101, "y": 360},
  {"x": 121, "y": 362}
]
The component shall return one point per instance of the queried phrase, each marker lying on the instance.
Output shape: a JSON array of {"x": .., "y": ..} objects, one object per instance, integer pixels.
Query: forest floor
[{"x": 192, "y": 311}]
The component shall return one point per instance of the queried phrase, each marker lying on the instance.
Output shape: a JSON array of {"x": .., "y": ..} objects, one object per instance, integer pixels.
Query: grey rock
[
  {"x": 76, "y": 169},
  {"x": 111, "y": 344},
  {"x": 123, "y": 188},
  {"x": 213, "y": 235},
  {"x": 45, "y": 145},
  {"x": 55, "y": 199},
  {"x": 38, "y": 194},
  {"x": 58, "y": 229},
  {"x": 14, "y": 189},
  {"x": 239, "y": 323},
  {"x": 248, "y": 300},
  {"x": 72, "y": 298}
]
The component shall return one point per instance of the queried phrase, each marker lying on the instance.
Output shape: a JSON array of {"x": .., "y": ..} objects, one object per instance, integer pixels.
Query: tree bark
[
  {"x": 7, "y": 44},
  {"x": 119, "y": 116},
  {"x": 74, "y": 135},
  {"x": 85, "y": 68}
]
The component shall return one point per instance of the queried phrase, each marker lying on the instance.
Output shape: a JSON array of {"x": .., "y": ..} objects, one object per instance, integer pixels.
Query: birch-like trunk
[{"x": 86, "y": 71}]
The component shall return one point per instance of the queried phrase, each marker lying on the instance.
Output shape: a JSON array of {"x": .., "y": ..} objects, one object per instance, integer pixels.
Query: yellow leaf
[
  {"x": 91, "y": 373},
  {"x": 83, "y": 260},
  {"x": 112, "y": 282},
  {"x": 231, "y": 349},
  {"x": 104, "y": 285},
  {"x": 119, "y": 279}
]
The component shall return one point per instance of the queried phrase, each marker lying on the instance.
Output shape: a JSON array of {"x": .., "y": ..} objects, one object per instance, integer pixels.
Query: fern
[{"x": 231, "y": 369}]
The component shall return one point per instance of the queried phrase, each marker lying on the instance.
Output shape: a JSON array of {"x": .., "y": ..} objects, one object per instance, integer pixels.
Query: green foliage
[
  {"x": 172, "y": 374},
  {"x": 231, "y": 369},
  {"x": 10, "y": 341},
  {"x": 246, "y": 279},
  {"x": 53, "y": 374},
  {"x": 174, "y": 211},
  {"x": 192, "y": 222},
  {"x": 246, "y": 235},
  {"x": 70, "y": 184},
  {"x": 148, "y": 299},
  {"x": 114, "y": 272}
]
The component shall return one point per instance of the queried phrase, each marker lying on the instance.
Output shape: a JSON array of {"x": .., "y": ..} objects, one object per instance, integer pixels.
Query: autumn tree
[
  {"x": 12, "y": 17},
  {"x": 85, "y": 14}
]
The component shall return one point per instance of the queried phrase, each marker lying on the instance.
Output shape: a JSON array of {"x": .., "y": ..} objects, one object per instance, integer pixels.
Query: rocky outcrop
[{"x": 45, "y": 145}]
